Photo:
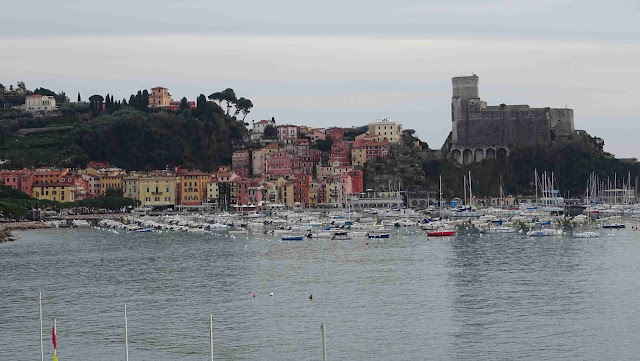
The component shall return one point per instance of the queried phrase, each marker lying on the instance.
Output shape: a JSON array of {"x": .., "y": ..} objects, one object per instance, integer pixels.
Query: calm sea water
[{"x": 406, "y": 298}]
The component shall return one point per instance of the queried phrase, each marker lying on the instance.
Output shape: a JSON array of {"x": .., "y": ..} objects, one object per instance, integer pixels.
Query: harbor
[{"x": 466, "y": 296}]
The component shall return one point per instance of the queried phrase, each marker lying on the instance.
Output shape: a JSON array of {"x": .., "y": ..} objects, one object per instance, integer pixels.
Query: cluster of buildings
[{"x": 286, "y": 170}]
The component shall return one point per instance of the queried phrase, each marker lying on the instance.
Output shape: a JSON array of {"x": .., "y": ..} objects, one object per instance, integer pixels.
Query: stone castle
[{"x": 479, "y": 131}]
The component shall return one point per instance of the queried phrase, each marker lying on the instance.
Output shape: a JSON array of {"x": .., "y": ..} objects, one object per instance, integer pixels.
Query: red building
[
  {"x": 335, "y": 133},
  {"x": 357, "y": 180},
  {"x": 301, "y": 189},
  {"x": 340, "y": 153},
  {"x": 175, "y": 105}
]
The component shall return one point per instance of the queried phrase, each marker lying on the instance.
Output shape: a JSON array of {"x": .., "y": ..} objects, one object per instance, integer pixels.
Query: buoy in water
[
  {"x": 254, "y": 295},
  {"x": 367, "y": 243},
  {"x": 271, "y": 294},
  {"x": 311, "y": 296}
]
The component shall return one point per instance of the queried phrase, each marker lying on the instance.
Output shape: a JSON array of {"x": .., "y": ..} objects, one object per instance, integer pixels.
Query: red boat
[{"x": 441, "y": 233}]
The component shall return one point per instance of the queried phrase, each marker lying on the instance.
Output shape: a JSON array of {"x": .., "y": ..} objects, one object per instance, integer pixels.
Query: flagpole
[
  {"x": 211, "y": 334},
  {"x": 126, "y": 336},
  {"x": 55, "y": 347},
  {"x": 41, "y": 343}
]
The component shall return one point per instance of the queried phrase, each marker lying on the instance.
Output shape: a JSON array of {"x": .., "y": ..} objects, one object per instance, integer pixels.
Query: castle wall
[{"x": 505, "y": 126}]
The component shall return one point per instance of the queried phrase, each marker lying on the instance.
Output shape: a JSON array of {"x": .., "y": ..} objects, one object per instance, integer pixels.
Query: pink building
[
  {"x": 18, "y": 179},
  {"x": 318, "y": 134},
  {"x": 93, "y": 185},
  {"x": 287, "y": 134},
  {"x": 240, "y": 162},
  {"x": 279, "y": 164},
  {"x": 375, "y": 149}
]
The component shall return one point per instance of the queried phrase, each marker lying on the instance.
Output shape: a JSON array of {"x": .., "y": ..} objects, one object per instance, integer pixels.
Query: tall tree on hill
[
  {"x": 79, "y": 99},
  {"x": 184, "y": 104},
  {"x": 217, "y": 97},
  {"x": 95, "y": 103},
  {"x": 22, "y": 87},
  {"x": 201, "y": 103},
  {"x": 124, "y": 102},
  {"x": 112, "y": 102},
  {"x": 1, "y": 88},
  {"x": 62, "y": 98},
  {"x": 243, "y": 105},
  {"x": 107, "y": 103},
  {"x": 139, "y": 101},
  {"x": 133, "y": 101},
  {"x": 145, "y": 100},
  {"x": 229, "y": 96}
]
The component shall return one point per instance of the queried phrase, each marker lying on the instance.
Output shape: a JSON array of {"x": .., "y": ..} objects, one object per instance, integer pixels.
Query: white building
[
  {"x": 258, "y": 129},
  {"x": 40, "y": 103},
  {"x": 385, "y": 130}
]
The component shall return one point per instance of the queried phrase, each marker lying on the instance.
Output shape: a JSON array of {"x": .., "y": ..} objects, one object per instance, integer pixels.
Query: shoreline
[{"x": 7, "y": 228}]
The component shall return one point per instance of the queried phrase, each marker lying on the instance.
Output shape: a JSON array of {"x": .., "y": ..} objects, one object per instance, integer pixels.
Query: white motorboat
[
  {"x": 498, "y": 229},
  {"x": 545, "y": 232},
  {"x": 586, "y": 234}
]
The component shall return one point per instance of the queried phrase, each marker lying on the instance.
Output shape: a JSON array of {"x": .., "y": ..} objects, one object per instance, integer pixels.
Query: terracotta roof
[
  {"x": 159, "y": 87},
  {"x": 34, "y": 96}
]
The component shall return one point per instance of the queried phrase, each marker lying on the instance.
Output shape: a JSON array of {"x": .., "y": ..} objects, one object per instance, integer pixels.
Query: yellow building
[
  {"x": 159, "y": 97},
  {"x": 131, "y": 186},
  {"x": 110, "y": 181},
  {"x": 385, "y": 130},
  {"x": 314, "y": 188},
  {"x": 213, "y": 192},
  {"x": 193, "y": 186},
  {"x": 286, "y": 193},
  {"x": 157, "y": 191},
  {"x": 358, "y": 156},
  {"x": 53, "y": 192}
]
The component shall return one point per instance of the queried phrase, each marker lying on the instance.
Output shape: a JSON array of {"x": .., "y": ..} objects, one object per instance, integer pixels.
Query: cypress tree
[{"x": 79, "y": 99}]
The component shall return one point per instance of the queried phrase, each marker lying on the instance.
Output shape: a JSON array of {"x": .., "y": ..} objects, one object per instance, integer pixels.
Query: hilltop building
[
  {"x": 480, "y": 131},
  {"x": 159, "y": 97},
  {"x": 37, "y": 103}
]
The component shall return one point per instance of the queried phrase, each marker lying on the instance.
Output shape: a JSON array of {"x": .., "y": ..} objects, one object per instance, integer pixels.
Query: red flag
[{"x": 53, "y": 337}]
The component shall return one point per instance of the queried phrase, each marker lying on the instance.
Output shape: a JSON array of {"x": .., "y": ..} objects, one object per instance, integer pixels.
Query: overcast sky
[{"x": 342, "y": 62}]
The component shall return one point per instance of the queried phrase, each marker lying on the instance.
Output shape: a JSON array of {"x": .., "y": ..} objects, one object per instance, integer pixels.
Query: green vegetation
[
  {"x": 571, "y": 162},
  {"x": 128, "y": 135}
]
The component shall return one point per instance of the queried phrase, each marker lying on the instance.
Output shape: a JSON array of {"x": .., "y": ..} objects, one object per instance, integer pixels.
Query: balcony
[{"x": 156, "y": 193}]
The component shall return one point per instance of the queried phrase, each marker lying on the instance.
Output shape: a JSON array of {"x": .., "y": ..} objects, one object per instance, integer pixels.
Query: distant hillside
[{"x": 201, "y": 138}]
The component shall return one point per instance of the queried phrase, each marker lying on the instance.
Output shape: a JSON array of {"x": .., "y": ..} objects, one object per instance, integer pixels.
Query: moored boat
[
  {"x": 442, "y": 233},
  {"x": 586, "y": 234},
  {"x": 293, "y": 238}
]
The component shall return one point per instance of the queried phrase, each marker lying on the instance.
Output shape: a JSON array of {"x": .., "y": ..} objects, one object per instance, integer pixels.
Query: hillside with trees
[
  {"x": 571, "y": 163},
  {"x": 128, "y": 134}
]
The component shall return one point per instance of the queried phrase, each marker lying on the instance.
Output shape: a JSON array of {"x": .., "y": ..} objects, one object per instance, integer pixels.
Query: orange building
[{"x": 193, "y": 186}]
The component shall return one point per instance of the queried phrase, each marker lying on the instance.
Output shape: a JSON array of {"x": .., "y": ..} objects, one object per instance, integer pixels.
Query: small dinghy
[{"x": 293, "y": 238}]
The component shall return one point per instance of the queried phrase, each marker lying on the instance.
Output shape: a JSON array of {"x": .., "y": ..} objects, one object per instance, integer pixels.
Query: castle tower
[{"x": 466, "y": 87}]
